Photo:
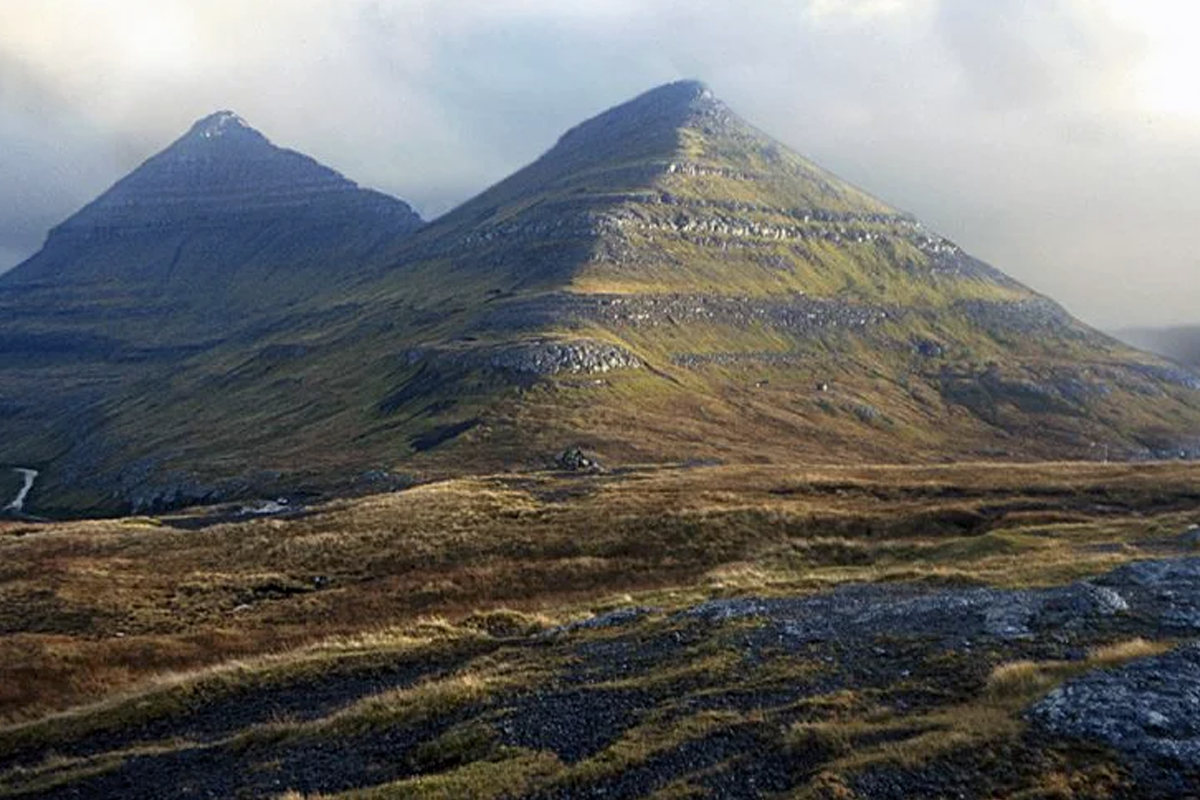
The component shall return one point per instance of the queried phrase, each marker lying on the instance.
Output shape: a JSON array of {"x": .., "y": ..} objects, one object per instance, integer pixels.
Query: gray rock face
[
  {"x": 551, "y": 358},
  {"x": 574, "y": 459},
  {"x": 860, "y": 613},
  {"x": 1169, "y": 591},
  {"x": 795, "y": 312},
  {"x": 609, "y": 619},
  {"x": 542, "y": 359},
  {"x": 697, "y": 360},
  {"x": 1168, "y": 374},
  {"x": 1148, "y": 709},
  {"x": 1021, "y": 316}
]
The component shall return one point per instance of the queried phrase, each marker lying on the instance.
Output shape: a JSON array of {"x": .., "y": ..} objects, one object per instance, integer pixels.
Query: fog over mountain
[{"x": 1052, "y": 138}]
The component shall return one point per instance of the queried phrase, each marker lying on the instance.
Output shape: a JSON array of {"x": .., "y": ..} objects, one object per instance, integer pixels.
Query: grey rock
[
  {"x": 573, "y": 459},
  {"x": 727, "y": 609},
  {"x": 1148, "y": 709},
  {"x": 796, "y": 312},
  {"x": 1020, "y": 316},
  {"x": 609, "y": 619},
  {"x": 535, "y": 358},
  {"x": 857, "y": 613}
]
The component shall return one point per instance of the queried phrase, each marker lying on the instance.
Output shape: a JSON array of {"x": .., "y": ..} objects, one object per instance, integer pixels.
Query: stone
[
  {"x": 1148, "y": 709},
  {"x": 573, "y": 459}
]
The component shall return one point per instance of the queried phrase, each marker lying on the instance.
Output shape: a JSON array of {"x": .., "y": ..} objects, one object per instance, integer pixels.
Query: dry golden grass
[{"x": 991, "y": 720}]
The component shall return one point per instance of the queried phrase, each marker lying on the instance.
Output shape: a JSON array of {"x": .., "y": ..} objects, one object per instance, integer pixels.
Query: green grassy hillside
[{"x": 665, "y": 284}]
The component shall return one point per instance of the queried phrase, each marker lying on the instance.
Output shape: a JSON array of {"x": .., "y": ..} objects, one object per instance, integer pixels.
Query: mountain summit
[
  {"x": 222, "y": 124},
  {"x": 665, "y": 283}
]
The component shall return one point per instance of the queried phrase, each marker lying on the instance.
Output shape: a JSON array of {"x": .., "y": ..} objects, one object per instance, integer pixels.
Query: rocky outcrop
[
  {"x": 1163, "y": 373},
  {"x": 795, "y": 312},
  {"x": 573, "y": 459},
  {"x": 860, "y": 614},
  {"x": 696, "y": 360},
  {"x": 552, "y": 358},
  {"x": 537, "y": 358},
  {"x": 1030, "y": 316},
  {"x": 1148, "y": 710}
]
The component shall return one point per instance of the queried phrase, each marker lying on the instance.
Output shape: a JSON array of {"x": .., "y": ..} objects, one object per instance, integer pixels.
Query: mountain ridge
[{"x": 665, "y": 283}]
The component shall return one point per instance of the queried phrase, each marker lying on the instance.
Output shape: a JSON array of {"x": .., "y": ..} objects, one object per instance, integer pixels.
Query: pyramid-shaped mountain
[
  {"x": 220, "y": 200},
  {"x": 666, "y": 283},
  {"x": 206, "y": 244}
]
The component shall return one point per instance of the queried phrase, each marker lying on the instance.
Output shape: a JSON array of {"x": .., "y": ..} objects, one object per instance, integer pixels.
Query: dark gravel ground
[{"x": 574, "y": 724}]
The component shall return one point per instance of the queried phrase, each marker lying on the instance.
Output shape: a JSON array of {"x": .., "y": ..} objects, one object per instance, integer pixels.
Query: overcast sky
[{"x": 1057, "y": 139}]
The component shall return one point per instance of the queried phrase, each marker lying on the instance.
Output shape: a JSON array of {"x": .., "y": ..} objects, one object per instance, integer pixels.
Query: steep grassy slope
[{"x": 666, "y": 283}]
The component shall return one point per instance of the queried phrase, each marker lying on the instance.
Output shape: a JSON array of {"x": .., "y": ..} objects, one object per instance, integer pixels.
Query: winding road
[{"x": 18, "y": 503}]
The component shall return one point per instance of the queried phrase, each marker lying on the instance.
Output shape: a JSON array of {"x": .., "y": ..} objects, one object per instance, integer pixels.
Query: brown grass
[
  {"x": 990, "y": 720},
  {"x": 96, "y": 607}
]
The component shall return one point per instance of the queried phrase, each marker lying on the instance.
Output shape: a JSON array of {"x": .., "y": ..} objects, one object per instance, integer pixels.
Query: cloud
[{"x": 1050, "y": 136}]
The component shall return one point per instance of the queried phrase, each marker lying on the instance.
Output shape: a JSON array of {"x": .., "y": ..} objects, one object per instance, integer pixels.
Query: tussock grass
[
  {"x": 175, "y": 693},
  {"x": 991, "y": 719},
  {"x": 96, "y": 608}
]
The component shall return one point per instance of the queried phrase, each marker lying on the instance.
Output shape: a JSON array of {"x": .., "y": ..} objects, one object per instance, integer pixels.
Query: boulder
[{"x": 573, "y": 459}]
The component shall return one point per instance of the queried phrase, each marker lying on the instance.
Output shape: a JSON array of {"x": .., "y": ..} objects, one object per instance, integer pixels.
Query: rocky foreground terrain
[
  {"x": 865, "y": 691},
  {"x": 952, "y": 632}
]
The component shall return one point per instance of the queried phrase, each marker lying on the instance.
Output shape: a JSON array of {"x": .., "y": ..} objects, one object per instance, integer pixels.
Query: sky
[{"x": 1056, "y": 139}]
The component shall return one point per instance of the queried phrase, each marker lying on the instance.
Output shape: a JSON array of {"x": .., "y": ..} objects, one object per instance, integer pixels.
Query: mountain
[
  {"x": 217, "y": 238},
  {"x": 666, "y": 283},
  {"x": 1180, "y": 344},
  {"x": 217, "y": 213}
]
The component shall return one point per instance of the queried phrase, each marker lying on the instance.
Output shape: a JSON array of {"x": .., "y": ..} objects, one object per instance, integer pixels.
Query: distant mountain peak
[
  {"x": 688, "y": 90},
  {"x": 655, "y": 114},
  {"x": 225, "y": 174}
]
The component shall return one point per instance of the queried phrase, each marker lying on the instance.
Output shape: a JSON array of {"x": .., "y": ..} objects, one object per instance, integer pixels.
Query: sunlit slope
[{"x": 666, "y": 283}]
